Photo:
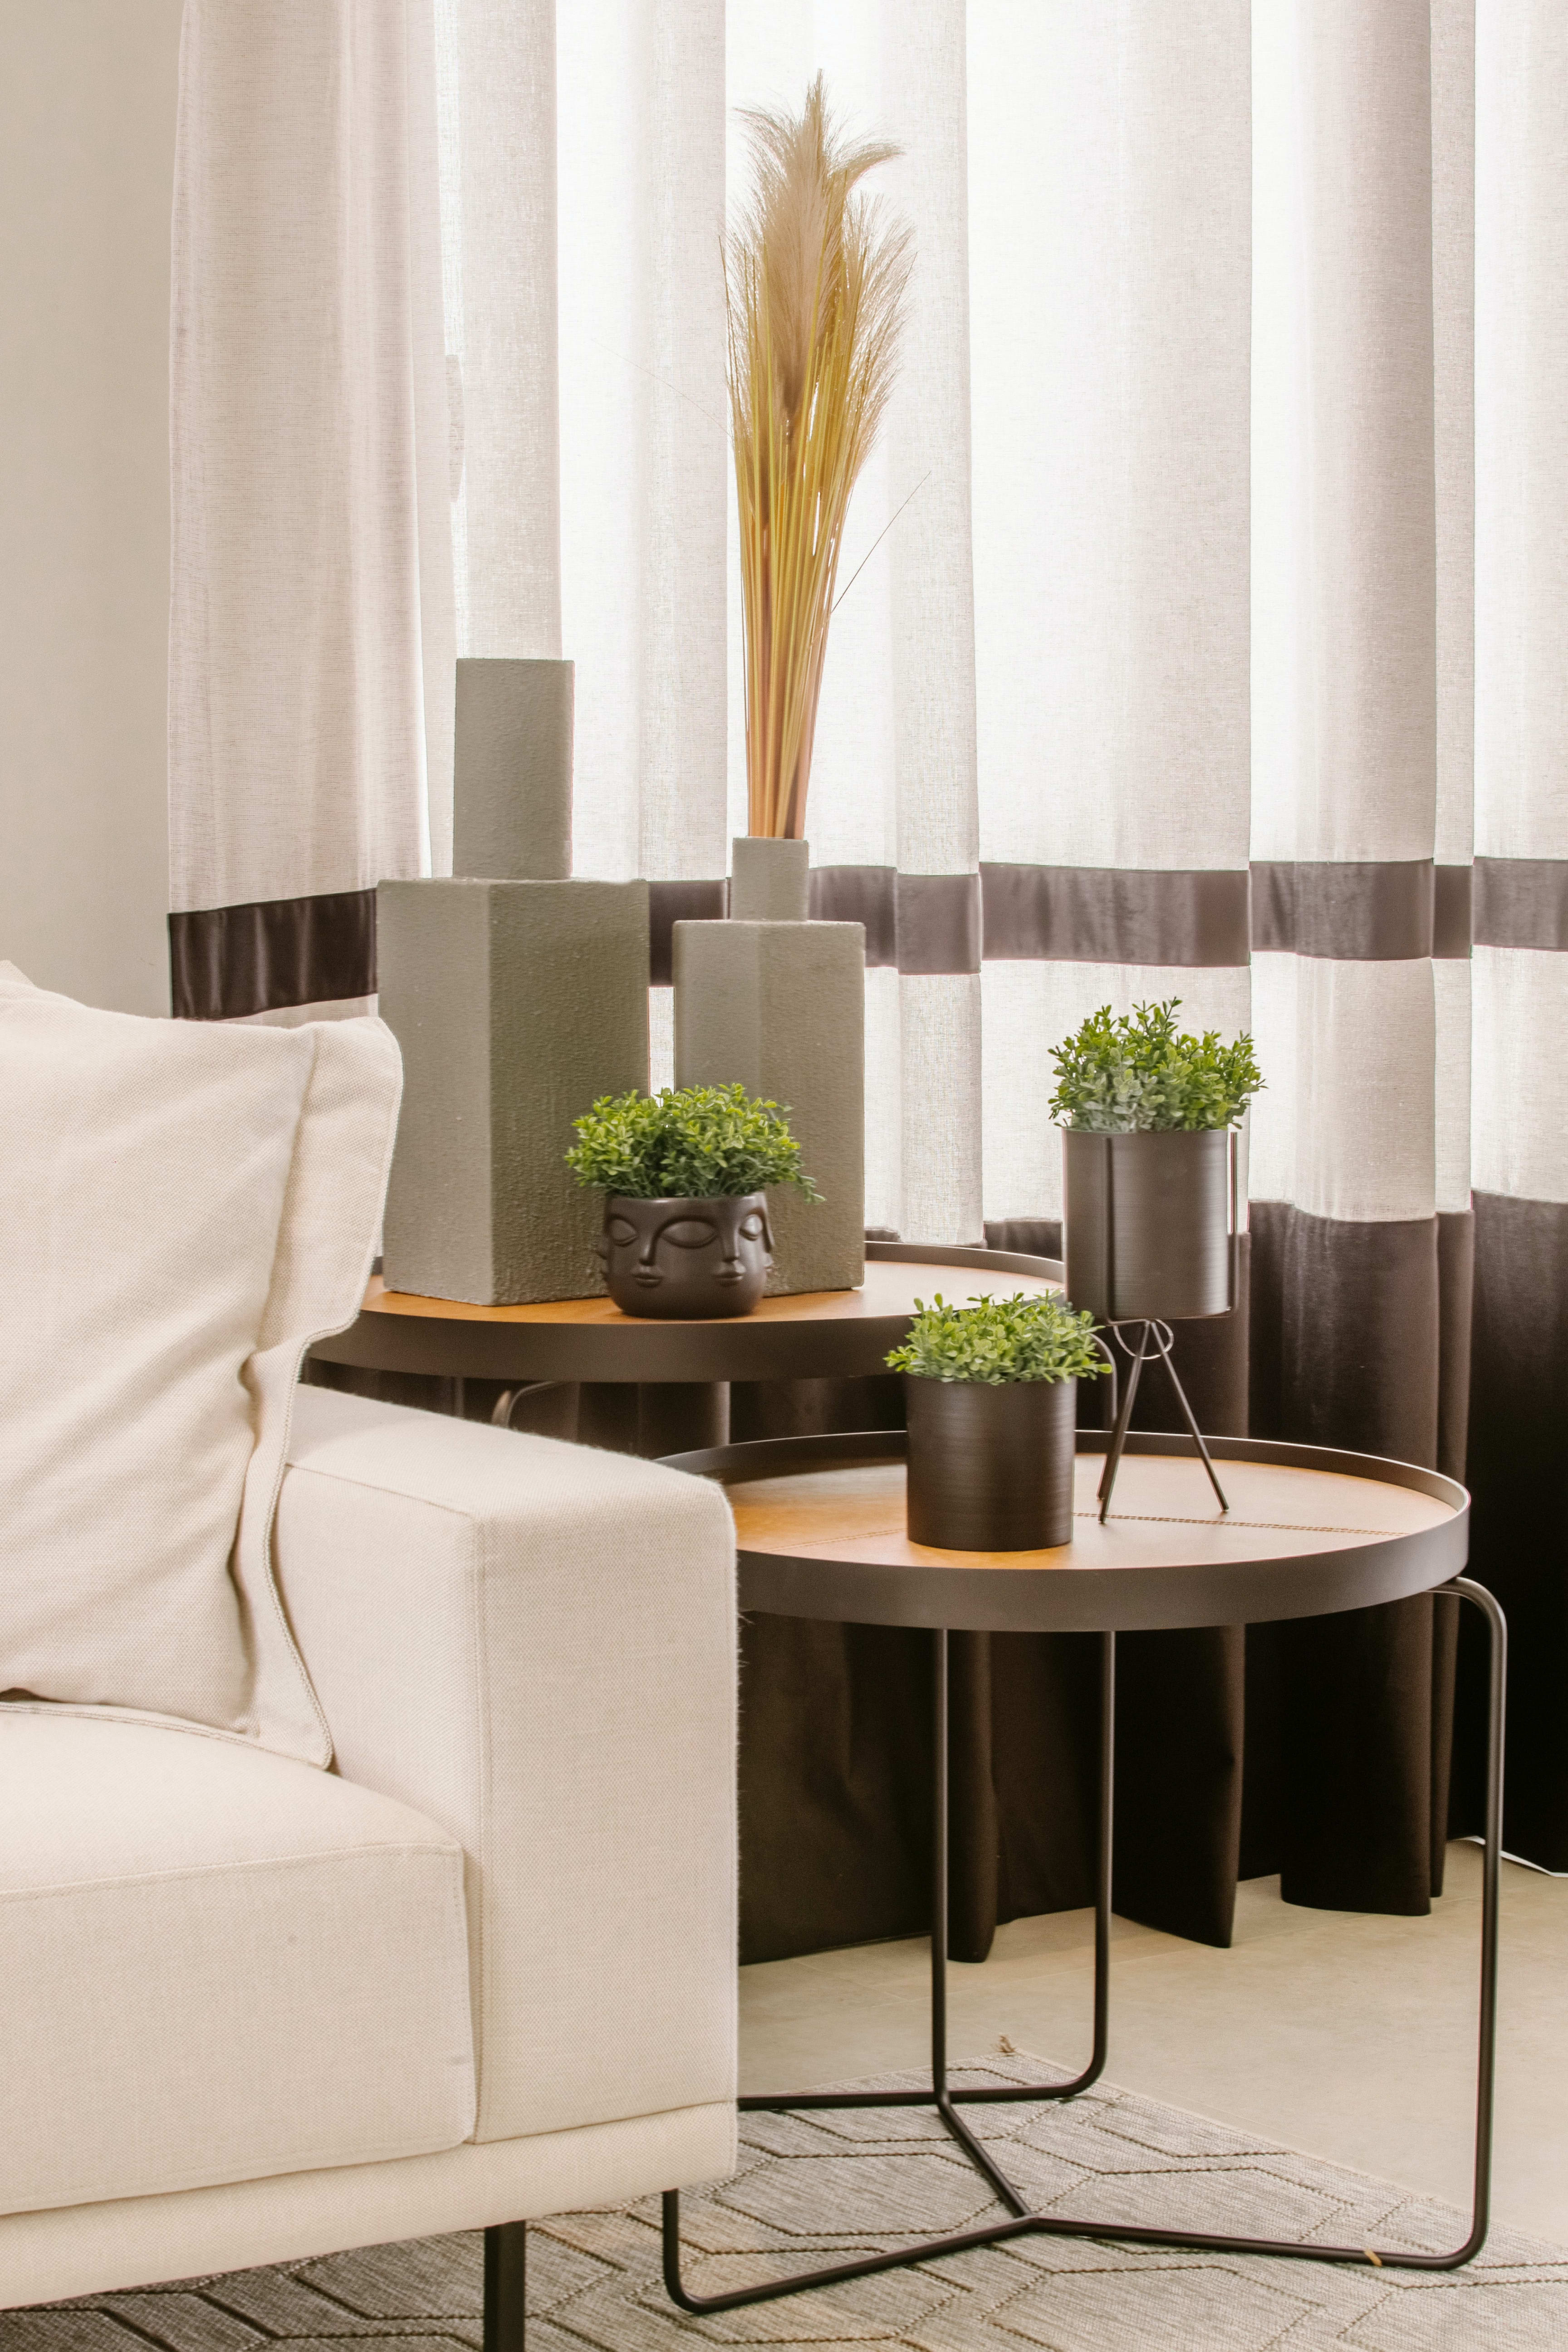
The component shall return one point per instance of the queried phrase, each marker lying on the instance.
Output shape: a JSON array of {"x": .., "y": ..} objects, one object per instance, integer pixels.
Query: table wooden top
[
  {"x": 814, "y": 1334},
  {"x": 890, "y": 1290},
  {"x": 1307, "y": 1532}
]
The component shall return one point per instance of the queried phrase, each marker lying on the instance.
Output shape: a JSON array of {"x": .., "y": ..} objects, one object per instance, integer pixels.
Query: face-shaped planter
[{"x": 695, "y": 1259}]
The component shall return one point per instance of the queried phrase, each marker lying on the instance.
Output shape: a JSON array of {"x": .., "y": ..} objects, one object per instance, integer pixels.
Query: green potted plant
[
  {"x": 685, "y": 1176},
  {"x": 1148, "y": 1117},
  {"x": 991, "y": 1398}
]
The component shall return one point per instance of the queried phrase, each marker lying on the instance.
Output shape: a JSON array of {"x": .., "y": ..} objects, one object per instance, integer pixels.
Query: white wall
[{"x": 86, "y": 141}]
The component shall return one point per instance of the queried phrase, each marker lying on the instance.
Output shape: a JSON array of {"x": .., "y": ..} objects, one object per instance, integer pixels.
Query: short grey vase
[{"x": 691, "y": 1260}]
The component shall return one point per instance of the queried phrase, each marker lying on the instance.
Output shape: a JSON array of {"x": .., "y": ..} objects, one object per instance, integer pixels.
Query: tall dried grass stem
[{"x": 815, "y": 280}]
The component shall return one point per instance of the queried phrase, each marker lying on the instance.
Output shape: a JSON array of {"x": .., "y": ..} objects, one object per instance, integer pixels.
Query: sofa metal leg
[{"x": 506, "y": 2267}]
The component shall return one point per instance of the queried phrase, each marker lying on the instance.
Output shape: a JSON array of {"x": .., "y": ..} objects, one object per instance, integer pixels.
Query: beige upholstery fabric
[
  {"x": 534, "y": 1645},
  {"x": 219, "y": 1964},
  {"x": 83, "y": 2249},
  {"x": 186, "y": 1205}
]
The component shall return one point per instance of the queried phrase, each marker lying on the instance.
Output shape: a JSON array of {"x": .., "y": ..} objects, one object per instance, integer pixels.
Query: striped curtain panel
[
  {"x": 1201, "y": 637},
  {"x": 310, "y": 675}
]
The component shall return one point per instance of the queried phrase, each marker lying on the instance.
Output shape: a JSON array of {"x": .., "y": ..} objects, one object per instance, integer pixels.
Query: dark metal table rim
[{"x": 1022, "y": 2219}]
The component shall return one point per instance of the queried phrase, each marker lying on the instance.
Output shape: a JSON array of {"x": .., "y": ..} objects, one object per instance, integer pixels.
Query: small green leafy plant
[
  {"x": 1123, "y": 1073},
  {"x": 697, "y": 1143},
  {"x": 995, "y": 1340}
]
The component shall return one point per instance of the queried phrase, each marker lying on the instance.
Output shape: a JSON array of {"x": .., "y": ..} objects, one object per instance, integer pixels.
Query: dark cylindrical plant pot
[
  {"x": 690, "y": 1259},
  {"x": 1149, "y": 1222},
  {"x": 991, "y": 1467}
]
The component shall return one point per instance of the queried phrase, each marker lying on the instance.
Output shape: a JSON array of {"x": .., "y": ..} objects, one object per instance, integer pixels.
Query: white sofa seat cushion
[{"x": 220, "y": 1965}]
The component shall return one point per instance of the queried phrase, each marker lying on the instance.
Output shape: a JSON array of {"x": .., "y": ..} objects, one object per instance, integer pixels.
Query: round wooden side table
[
  {"x": 820, "y": 1527},
  {"x": 675, "y": 1376}
]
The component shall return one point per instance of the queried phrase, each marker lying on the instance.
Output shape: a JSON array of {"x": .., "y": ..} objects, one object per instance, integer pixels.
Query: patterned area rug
[{"x": 813, "y": 2188}]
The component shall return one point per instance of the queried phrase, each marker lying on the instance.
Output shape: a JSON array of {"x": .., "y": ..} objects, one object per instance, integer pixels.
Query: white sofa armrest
[{"x": 533, "y": 1644}]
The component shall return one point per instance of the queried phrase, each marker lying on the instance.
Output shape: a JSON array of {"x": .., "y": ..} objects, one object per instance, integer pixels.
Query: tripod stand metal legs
[
  {"x": 1158, "y": 1336},
  {"x": 946, "y": 2101}
]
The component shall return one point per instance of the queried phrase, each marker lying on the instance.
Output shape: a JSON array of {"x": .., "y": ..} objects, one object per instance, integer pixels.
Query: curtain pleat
[{"x": 311, "y": 622}]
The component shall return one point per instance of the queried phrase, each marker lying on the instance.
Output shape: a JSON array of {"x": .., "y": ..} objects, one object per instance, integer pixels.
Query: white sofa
[
  {"x": 367, "y": 1843},
  {"x": 481, "y": 1971}
]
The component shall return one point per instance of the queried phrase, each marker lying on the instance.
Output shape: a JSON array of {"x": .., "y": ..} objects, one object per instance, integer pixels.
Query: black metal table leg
[
  {"x": 1020, "y": 2219},
  {"x": 941, "y": 2096}
]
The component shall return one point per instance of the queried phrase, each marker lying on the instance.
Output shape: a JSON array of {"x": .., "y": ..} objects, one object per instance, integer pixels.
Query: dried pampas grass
[{"x": 815, "y": 278}]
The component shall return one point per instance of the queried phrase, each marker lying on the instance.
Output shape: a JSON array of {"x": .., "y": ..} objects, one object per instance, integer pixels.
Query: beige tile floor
[{"x": 1347, "y": 2035}]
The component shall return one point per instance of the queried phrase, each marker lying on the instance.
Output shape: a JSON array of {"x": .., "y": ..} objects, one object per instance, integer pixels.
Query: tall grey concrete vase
[
  {"x": 511, "y": 815},
  {"x": 515, "y": 1004},
  {"x": 1151, "y": 1222},
  {"x": 781, "y": 1008},
  {"x": 688, "y": 1260},
  {"x": 770, "y": 880},
  {"x": 991, "y": 1464}
]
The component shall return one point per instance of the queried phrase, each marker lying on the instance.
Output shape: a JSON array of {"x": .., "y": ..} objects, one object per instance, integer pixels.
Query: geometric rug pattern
[{"x": 813, "y": 2187}]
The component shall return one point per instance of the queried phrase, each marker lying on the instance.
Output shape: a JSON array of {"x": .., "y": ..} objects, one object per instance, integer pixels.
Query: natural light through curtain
[{"x": 1164, "y": 572}]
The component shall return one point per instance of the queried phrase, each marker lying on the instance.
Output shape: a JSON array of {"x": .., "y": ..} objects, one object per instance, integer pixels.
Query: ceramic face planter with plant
[
  {"x": 685, "y": 1177},
  {"x": 990, "y": 1393},
  {"x": 1150, "y": 1163}
]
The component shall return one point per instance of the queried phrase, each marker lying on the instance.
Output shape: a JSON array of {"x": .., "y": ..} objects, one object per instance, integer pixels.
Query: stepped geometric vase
[{"x": 518, "y": 996}]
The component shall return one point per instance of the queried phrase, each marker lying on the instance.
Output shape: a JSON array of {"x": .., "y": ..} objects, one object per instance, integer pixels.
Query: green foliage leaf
[
  {"x": 995, "y": 1340},
  {"x": 1124, "y": 1073},
  {"x": 700, "y": 1143}
]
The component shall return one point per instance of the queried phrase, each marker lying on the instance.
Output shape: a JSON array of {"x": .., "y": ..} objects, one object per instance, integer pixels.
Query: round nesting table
[
  {"x": 673, "y": 1376},
  {"x": 820, "y": 1525}
]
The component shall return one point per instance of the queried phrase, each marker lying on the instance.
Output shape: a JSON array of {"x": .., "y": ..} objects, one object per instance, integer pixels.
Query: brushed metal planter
[
  {"x": 687, "y": 1260},
  {"x": 1151, "y": 1222},
  {"x": 991, "y": 1467}
]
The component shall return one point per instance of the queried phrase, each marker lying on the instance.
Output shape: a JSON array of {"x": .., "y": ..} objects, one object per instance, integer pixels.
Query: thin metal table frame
[{"x": 1022, "y": 2219}]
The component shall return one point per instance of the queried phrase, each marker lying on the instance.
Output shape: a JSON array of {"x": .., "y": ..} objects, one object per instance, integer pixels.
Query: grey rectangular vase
[
  {"x": 515, "y": 1003},
  {"x": 782, "y": 1007},
  {"x": 511, "y": 804}
]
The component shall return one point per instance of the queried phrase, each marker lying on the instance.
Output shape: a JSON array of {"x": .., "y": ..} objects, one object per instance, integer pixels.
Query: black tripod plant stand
[{"x": 1154, "y": 1339}]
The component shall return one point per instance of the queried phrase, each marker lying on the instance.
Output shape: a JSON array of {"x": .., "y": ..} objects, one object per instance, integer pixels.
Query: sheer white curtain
[
  {"x": 1177, "y": 577},
  {"x": 1208, "y": 640},
  {"x": 1175, "y": 549},
  {"x": 310, "y": 626}
]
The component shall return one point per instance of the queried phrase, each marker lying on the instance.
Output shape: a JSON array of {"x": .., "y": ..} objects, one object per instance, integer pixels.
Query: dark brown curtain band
[
  {"x": 225, "y": 961},
  {"x": 228, "y": 960},
  {"x": 1089, "y": 914},
  {"x": 1521, "y": 902}
]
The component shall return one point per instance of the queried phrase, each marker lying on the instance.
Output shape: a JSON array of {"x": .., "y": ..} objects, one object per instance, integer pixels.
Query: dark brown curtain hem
[
  {"x": 1518, "y": 1417},
  {"x": 227, "y": 961}
]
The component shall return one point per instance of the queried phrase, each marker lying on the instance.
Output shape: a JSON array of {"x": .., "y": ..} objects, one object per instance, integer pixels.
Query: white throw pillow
[{"x": 183, "y": 1207}]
